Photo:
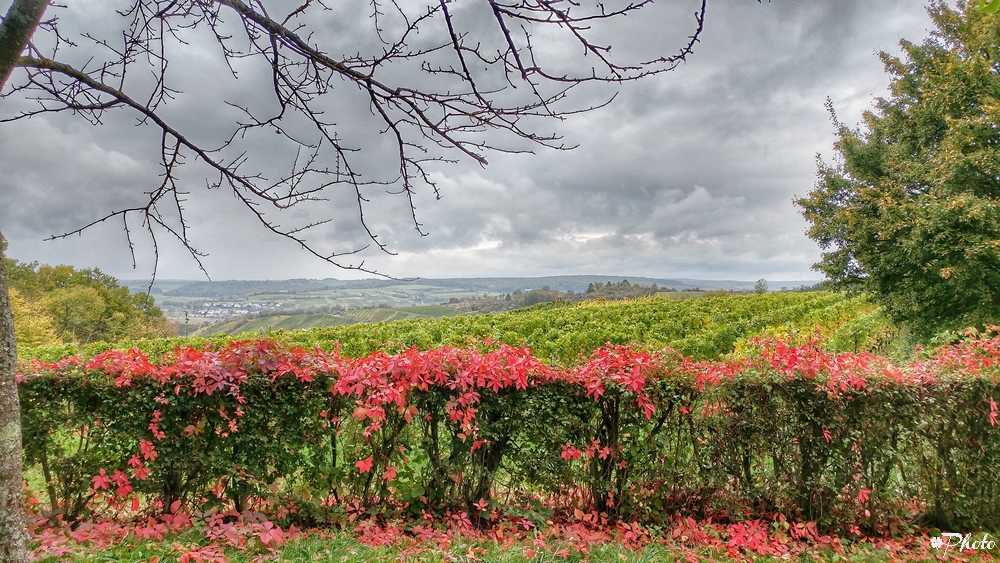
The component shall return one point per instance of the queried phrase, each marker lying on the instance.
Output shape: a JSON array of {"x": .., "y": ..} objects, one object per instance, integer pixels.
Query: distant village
[{"x": 226, "y": 309}]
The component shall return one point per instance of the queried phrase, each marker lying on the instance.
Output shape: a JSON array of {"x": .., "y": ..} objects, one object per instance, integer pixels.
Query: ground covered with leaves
[{"x": 252, "y": 537}]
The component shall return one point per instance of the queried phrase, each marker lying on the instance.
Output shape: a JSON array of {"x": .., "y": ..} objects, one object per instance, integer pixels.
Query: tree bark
[
  {"x": 16, "y": 29},
  {"x": 13, "y": 533}
]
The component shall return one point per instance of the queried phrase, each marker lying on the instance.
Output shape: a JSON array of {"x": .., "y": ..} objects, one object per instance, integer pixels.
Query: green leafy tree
[
  {"x": 86, "y": 305},
  {"x": 77, "y": 311},
  {"x": 909, "y": 211},
  {"x": 760, "y": 287}
]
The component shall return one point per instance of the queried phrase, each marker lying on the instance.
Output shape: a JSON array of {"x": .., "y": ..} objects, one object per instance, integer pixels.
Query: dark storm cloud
[{"x": 690, "y": 173}]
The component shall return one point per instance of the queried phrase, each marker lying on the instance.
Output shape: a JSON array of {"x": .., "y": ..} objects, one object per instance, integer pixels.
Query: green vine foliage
[{"x": 564, "y": 334}]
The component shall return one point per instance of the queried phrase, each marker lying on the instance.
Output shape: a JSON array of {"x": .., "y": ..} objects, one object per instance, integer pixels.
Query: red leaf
[
  {"x": 863, "y": 495},
  {"x": 364, "y": 466},
  {"x": 148, "y": 450},
  {"x": 101, "y": 481},
  {"x": 571, "y": 452}
]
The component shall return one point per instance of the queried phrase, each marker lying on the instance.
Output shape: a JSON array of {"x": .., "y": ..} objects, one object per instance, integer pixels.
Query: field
[{"x": 565, "y": 433}]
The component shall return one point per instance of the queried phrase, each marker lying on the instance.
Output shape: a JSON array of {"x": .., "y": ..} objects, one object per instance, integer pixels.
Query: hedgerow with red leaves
[{"x": 496, "y": 437}]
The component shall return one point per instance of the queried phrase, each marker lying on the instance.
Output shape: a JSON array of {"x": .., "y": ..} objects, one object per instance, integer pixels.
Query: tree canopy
[
  {"x": 53, "y": 304},
  {"x": 82, "y": 305},
  {"x": 909, "y": 210}
]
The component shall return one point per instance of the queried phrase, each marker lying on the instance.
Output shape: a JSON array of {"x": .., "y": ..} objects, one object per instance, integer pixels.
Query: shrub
[{"x": 851, "y": 441}]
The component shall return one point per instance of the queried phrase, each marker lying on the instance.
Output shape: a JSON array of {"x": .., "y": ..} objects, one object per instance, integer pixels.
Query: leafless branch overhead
[{"x": 436, "y": 82}]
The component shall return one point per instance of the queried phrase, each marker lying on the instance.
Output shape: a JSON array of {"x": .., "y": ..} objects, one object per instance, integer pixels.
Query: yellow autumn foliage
[{"x": 33, "y": 324}]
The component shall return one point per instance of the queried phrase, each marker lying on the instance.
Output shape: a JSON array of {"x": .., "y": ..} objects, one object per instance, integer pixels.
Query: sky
[{"x": 690, "y": 173}]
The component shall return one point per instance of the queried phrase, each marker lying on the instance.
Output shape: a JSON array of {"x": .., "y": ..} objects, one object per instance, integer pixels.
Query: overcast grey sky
[{"x": 686, "y": 174}]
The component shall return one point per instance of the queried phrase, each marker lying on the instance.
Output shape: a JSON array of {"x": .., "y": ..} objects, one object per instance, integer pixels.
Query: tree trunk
[
  {"x": 16, "y": 29},
  {"x": 13, "y": 533}
]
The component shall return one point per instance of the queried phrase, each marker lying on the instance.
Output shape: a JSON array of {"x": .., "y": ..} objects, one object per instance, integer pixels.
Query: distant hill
[
  {"x": 232, "y": 289},
  {"x": 238, "y": 289},
  {"x": 192, "y": 304}
]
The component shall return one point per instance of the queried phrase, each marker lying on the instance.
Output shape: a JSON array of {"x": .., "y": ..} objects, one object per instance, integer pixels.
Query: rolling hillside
[
  {"x": 562, "y": 334},
  {"x": 320, "y": 320},
  {"x": 704, "y": 327}
]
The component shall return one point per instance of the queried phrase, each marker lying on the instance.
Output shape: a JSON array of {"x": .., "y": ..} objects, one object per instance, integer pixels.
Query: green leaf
[{"x": 988, "y": 6}]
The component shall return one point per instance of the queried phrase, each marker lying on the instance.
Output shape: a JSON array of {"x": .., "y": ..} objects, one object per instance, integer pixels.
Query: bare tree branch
[{"x": 449, "y": 111}]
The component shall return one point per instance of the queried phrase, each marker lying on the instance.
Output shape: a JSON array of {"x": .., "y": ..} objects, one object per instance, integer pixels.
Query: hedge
[{"x": 850, "y": 441}]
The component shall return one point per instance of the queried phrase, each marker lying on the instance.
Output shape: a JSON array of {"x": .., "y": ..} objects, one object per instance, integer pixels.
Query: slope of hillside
[
  {"x": 704, "y": 327},
  {"x": 319, "y": 320},
  {"x": 562, "y": 334}
]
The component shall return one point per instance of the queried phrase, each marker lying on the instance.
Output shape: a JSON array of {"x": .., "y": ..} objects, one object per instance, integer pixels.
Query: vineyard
[
  {"x": 562, "y": 334},
  {"x": 746, "y": 425},
  {"x": 296, "y": 321}
]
